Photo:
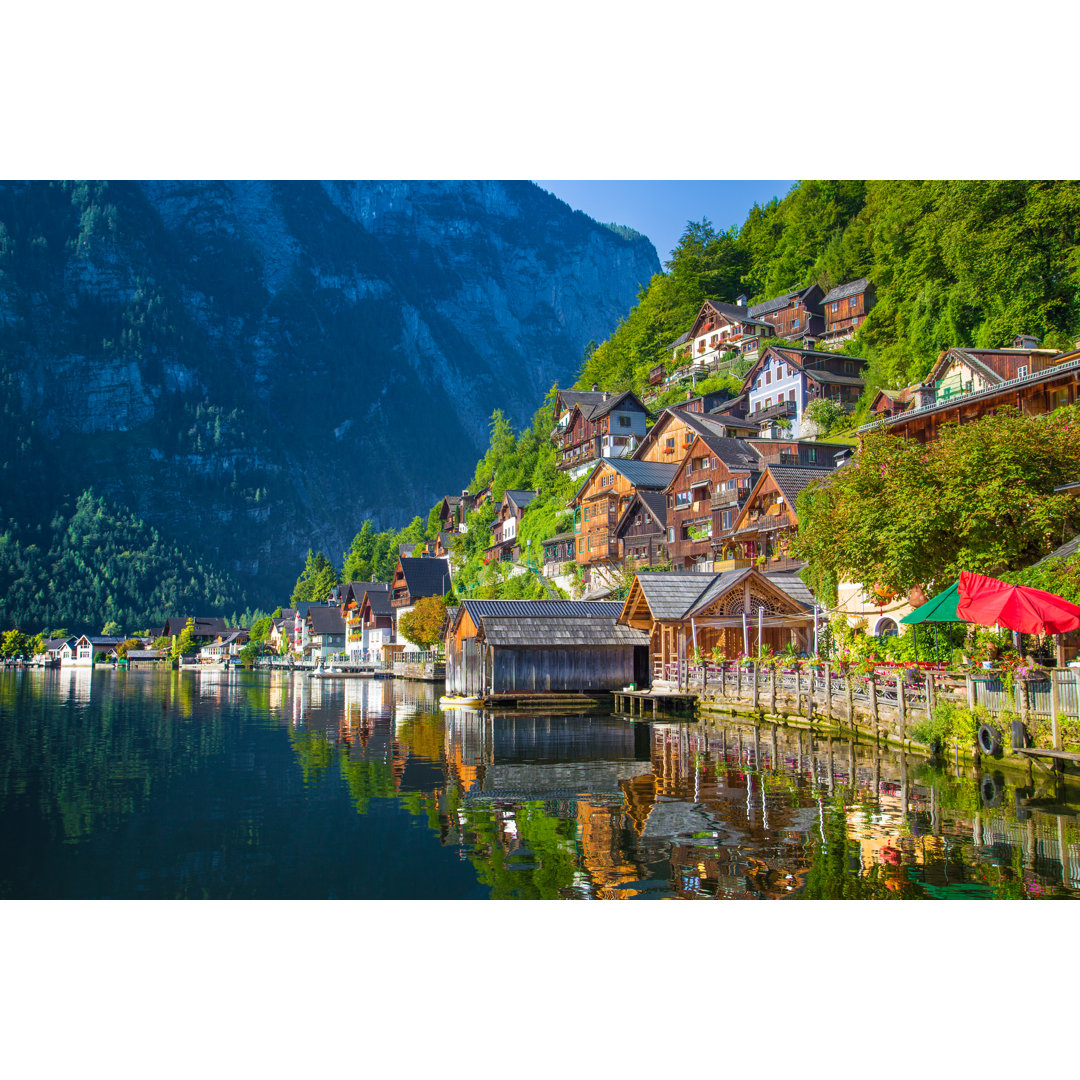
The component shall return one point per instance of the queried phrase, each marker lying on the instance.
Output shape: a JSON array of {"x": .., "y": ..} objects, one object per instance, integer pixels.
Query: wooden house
[
  {"x": 705, "y": 495},
  {"x": 785, "y": 380},
  {"x": 224, "y": 647},
  {"x": 326, "y": 631},
  {"x": 145, "y": 658},
  {"x": 951, "y": 394},
  {"x": 416, "y": 578},
  {"x": 352, "y": 604},
  {"x": 375, "y": 621},
  {"x": 603, "y": 498},
  {"x": 504, "y": 530},
  {"x": 846, "y": 308},
  {"x": 684, "y": 611},
  {"x": 641, "y": 530},
  {"x": 890, "y": 402},
  {"x": 795, "y": 315},
  {"x": 675, "y": 429},
  {"x": 452, "y": 513},
  {"x": 768, "y": 522},
  {"x": 721, "y": 328},
  {"x": 514, "y": 647},
  {"x": 559, "y": 554},
  {"x": 806, "y": 452},
  {"x": 702, "y": 403},
  {"x": 609, "y": 428}
]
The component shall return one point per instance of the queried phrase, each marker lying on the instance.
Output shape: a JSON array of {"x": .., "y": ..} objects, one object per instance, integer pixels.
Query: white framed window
[
  {"x": 1021, "y": 371},
  {"x": 836, "y": 305}
]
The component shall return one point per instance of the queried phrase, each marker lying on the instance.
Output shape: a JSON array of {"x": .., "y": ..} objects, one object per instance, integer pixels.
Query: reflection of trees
[
  {"x": 314, "y": 752},
  {"x": 366, "y": 780}
]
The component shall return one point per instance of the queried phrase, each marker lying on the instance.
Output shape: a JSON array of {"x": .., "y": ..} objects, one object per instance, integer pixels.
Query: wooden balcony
[
  {"x": 779, "y": 410},
  {"x": 720, "y": 565}
]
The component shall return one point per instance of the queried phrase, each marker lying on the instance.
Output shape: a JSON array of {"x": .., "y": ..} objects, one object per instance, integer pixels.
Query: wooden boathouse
[{"x": 512, "y": 647}]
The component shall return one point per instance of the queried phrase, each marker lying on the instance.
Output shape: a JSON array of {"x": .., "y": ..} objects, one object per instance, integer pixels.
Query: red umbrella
[{"x": 989, "y": 602}]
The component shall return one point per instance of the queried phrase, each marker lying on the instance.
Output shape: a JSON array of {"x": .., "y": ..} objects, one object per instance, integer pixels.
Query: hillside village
[{"x": 707, "y": 484}]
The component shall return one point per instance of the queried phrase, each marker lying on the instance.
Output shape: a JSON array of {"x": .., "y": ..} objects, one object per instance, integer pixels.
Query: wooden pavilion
[{"x": 684, "y": 611}]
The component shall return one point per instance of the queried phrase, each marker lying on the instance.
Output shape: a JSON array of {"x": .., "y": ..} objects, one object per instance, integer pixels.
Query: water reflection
[{"x": 231, "y": 784}]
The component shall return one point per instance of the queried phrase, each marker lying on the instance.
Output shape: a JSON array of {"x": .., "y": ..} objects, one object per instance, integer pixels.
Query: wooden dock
[{"x": 657, "y": 701}]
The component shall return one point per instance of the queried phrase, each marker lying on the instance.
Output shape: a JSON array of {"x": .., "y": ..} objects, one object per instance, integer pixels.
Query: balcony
[
  {"x": 720, "y": 565},
  {"x": 777, "y": 411}
]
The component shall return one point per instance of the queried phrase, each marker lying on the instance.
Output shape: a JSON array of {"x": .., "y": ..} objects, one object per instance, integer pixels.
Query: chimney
[
  {"x": 607, "y": 394},
  {"x": 923, "y": 395},
  {"x": 595, "y": 386}
]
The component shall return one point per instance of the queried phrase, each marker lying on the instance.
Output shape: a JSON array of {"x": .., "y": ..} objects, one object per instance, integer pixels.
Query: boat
[{"x": 460, "y": 701}]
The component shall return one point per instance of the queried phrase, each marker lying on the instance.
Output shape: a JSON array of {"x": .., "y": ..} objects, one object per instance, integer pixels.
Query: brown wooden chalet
[
  {"x": 504, "y": 530},
  {"x": 452, "y": 512},
  {"x": 846, "y": 308},
  {"x": 416, "y": 578},
  {"x": 603, "y": 498},
  {"x": 641, "y": 530},
  {"x": 768, "y": 521},
  {"x": 703, "y": 498},
  {"x": 675, "y": 429},
  {"x": 967, "y": 384},
  {"x": 609, "y": 427},
  {"x": 203, "y": 629},
  {"x": 375, "y": 613},
  {"x": 559, "y": 552},
  {"x": 352, "y": 606},
  {"x": 682, "y": 612},
  {"x": 891, "y": 402},
  {"x": 721, "y": 328},
  {"x": 818, "y": 455},
  {"x": 794, "y": 315}
]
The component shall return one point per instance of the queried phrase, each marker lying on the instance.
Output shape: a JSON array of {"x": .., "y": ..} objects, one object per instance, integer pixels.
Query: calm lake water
[{"x": 271, "y": 786}]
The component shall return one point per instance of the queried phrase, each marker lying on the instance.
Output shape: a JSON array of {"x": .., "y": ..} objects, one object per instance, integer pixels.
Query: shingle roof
[
  {"x": 670, "y": 595},
  {"x": 795, "y": 587},
  {"x": 584, "y": 398},
  {"x": 605, "y": 405},
  {"x": 791, "y": 479},
  {"x": 850, "y": 288},
  {"x": 555, "y": 632},
  {"x": 682, "y": 339},
  {"x": 541, "y": 609},
  {"x": 326, "y": 620},
  {"x": 379, "y": 602},
  {"x": 718, "y": 585},
  {"x": 644, "y": 474},
  {"x": 821, "y": 376},
  {"x": 736, "y": 454},
  {"x": 767, "y": 307},
  {"x": 426, "y": 577},
  {"x": 520, "y": 499}
]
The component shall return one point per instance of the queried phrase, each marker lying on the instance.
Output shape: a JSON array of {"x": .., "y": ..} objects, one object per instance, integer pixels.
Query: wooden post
[
  {"x": 723, "y": 679},
  {"x": 738, "y": 681},
  {"x": 970, "y": 686},
  {"x": 798, "y": 690},
  {"x": 810, "y": 699},
  {"x": 754, "y": 676},
  {"x": 872, "y": 687},
  {"x": 1022, "y": 690},
  {"x": 772, "y": 690},
  {"x": 901, "y": 708},
  {"x": 931, "y": 697},
  {"x": 828, "y": 692},
  {"x": 850, "y": 680},
  {"x": 1055, "y": 708}
]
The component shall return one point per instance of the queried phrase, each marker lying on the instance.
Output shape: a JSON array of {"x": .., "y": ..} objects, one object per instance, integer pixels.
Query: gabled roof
[
  {"x": 541, "y": 609},
  {"x": 671, "y": 595},
  {"x": 519, "y": 499},
  {"x": 425, "y": 577},
  {"x": 682, "y": 339},
  {"x": 736, "y": 454},
  {"x": 326, "y": 620},
  {"x": 850, "y": 288},
  {"x": 549, "y": 632},
  {"x": 585, "y": 399},
  {"x": 377, "y": 602},
  {"x": 778, "y": 303},
  {"x": 654, "y": 504},
  {"x": 791, "y": 479}
]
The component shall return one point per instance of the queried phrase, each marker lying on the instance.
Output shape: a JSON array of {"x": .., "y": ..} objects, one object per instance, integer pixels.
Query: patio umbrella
[
  {"x": 989, "y": 602},
  {"x": 940, "y": 608}
]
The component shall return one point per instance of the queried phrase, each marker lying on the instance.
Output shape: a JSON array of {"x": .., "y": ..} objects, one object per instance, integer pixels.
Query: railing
[{"x": 782, "y": 408}]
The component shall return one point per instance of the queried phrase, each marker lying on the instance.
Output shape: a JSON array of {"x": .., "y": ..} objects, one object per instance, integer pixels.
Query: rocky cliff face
[{"x": 257, "y": 367}]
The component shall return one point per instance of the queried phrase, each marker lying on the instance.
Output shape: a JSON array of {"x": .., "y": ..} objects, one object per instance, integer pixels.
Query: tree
[
  {"x": 14, "y": 643},
  {"x": 260, "y": 629},
  {"x": 126, "y": 646},
  {"x": 112, "y": 629},
  {"x": 249, "y": 652},
  {"x": 825, "y": 413},
  {"x": 423, "y": 625},
  {"x": 184, "y": 645},
  {"x": 316, "y": 580},
  {"x": 979, "y": 498}
]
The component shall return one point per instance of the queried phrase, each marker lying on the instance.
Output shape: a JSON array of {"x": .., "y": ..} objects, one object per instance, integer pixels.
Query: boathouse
[
  {"x": 681, "y": 612},
  {"x": 513, "y": 647}
]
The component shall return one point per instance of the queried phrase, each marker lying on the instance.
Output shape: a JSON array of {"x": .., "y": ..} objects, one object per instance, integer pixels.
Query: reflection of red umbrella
[{"x": 989, "y": 602}]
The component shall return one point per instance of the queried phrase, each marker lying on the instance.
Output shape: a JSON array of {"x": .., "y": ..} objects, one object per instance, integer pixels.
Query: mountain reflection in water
[{"x": 148, "y": 784}]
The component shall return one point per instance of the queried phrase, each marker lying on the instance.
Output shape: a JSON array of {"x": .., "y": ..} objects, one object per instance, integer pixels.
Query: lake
[{"x": 169, "y": 785}]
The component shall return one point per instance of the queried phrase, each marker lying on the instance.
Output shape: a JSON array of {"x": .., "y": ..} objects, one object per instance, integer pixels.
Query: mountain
[{"x": 254, "y": 369}]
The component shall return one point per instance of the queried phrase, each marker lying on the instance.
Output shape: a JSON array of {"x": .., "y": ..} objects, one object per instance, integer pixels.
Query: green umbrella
[{"x": 942, "y": 608}]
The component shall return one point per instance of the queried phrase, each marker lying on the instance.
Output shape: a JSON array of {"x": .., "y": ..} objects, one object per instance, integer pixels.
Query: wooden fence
[{"x": 889, "y": 703}]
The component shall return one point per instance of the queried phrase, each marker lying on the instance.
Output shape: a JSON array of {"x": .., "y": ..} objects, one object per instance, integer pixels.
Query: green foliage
[
  {"x": 950, "y": 723},
  {"x": 260, "y": 629},
  {"x": 99, "y": 561},
  {"x": 316, "y": 580},
  {"x": 112, "y": 629},
  {"x": 249, "y": 653},
  {"x": 423, "y": 625},
  {"x": 979, "y": 498},
  {"x": 184, "y": 645},
  {"x": 824, "y": 412},
  {"x": 1060, "y": 576}
]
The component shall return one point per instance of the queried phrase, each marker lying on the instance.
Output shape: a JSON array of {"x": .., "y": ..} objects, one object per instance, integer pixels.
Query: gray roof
[
  {"x": 145, "y": 654},
  {"x": 795, "y": 587},
  {"x": 425, "y": 577},
  {"x": 1067, "y": 550},
  {"x": 326, "y": 620},
  {"x": 559, "y": 631},
  {"x": 719, "y": 585},
  {"x": 559, "y": 538},
  {"x": 820, "y": 375},
  {"x": 520, "y": 499},
  {"x": 541, "y": 609},
  {"x": 767, "y": 307},
  {"x": 682, "y": 339},
  {"x": 791, "y": 479},
  {"x": 644, "y": 474},
  {"x": 736, "y": 454},
  {"x": 671, "y": 595},
  {"x": 379, "y": 602},
  {"x": 850, "y": 288}
]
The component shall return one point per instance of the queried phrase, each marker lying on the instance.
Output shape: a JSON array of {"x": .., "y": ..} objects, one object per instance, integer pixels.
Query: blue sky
[{"x": 661, "y": 208}]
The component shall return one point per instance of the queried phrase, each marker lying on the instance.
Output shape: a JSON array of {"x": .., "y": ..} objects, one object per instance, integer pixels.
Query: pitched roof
[
  {"x": 426, "y": 577},
  {"x": 655, "y": 503},
  {"x": 644, "y": 474},
  {"x": 682, "y": 339},
  {"x": 672, "y": 594},
  {"x": 767, "y": 307},
  {"x": 559, "y": 538},
  {"x": 794, "y": 586},
  {"x": 584, "y": 398},
  {"x": 820, "y": 375},
  {"x": 736, "y": 454},
  {"x": 326, "y": 620},
  {"x": 541, "y": 609},
  {"x": 555, "y": 632},
  {"x": 791, "y": 479},
  {"x": 850, "y": 288},
  {"x": 520, "y": 499},
  {"x": 379, "y": 602}
]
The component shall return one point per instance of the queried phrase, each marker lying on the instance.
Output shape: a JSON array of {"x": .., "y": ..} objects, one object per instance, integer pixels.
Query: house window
[
  {"x": 768, "y": 402},
  {"x": 727, "y": 515},
  {"x": 586, "y": 513},
  {"x": 1021, "y": 371},
  {"x": 795, "y": 324},
  {"x": 836, "y": 305},
  {"x": 688, "y": 438},
  {"x": 671, "y": 443},
  {"x": 624, "y": 421},
  {"x": 671, "y": 534},
  {"x": 849, "y": 367},
  {"x": 811, "y": 453},
  {"x": 851, "y": 302},
  {"x": 768, "y": 377}
]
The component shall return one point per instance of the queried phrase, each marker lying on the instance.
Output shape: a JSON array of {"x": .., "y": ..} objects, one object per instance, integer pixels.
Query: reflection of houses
[
  {"x": 682, "y": 611},
  {"x": 516, "y": 647},
  {"x": 968, "y": 384}
]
